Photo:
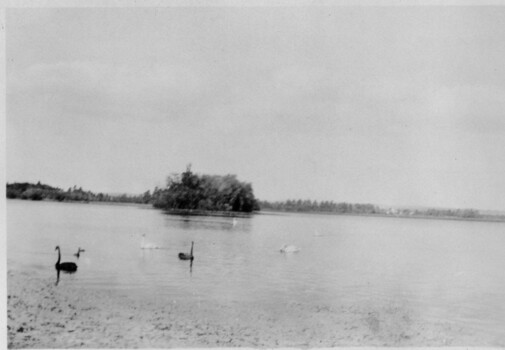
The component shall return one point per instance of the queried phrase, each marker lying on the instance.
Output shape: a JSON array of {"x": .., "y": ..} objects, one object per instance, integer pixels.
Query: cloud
[
  {"x": 472, "y": 108},
  {"x": 97, "y": 90}
]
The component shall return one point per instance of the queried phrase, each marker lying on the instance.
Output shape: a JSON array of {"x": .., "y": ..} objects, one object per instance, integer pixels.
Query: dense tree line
[
  {"x": 40, "y": 191},
  {"x": 448, "y": 213},
  {"x": 34, "y": 192},
  {"x": 189, "y": 191},
  {"x": 308, "y": 206}
]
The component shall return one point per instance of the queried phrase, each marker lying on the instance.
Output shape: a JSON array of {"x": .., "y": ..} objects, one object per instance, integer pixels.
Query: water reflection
[
  {"x": 212, "y": 223},
  {"x": 58, "y": 275}
]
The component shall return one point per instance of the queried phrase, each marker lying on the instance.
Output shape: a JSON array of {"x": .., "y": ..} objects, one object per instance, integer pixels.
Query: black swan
[
  {"x": 66, "y": 266},
  {"x": 184, "y": 256},
  {"x": 79, "y": 251}
]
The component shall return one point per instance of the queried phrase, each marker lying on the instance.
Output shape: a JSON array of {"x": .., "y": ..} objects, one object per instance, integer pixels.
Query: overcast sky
[{"x": 383, "y": 105}]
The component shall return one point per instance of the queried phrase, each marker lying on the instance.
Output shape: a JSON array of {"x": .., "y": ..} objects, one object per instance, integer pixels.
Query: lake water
[{"x": 446, "y": 270}]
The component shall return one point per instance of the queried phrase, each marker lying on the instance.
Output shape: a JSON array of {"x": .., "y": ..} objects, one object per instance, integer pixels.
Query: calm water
[{"x": 449, "y": 270}]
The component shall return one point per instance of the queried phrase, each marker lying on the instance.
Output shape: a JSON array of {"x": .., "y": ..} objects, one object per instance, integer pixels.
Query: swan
[
  {"x": 79, "y": 251},
  {"x": 184, "y": 256},
  {"x": 289, "y": 249},
  {"x": 66, "y": 266},
  {"x": 147, "y": 245}
]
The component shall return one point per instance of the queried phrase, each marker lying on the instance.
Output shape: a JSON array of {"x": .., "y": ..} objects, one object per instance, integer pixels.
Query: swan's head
[{"x": 57, "y": 247}]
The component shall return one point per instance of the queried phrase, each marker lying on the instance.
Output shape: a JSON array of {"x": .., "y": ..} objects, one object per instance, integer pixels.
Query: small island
[{"x": 189, "y": 193}]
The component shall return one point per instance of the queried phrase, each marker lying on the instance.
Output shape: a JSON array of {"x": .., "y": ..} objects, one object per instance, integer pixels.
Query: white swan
[
  {"x": 289, "y": 249},
  {"x": 147, "y": 245}
]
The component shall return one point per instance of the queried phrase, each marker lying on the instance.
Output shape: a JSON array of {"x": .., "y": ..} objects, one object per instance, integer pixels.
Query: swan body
[
  {"x": 185, "y": 256},
  {"x": 289, "y": 249},
  {"x": 147, "y": 245},
  {"x": 79, "y": 251},
  {"x": 65, "y": 266}
]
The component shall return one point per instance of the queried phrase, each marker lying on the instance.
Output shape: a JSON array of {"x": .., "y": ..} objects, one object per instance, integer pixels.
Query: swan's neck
[
  {"x": 191, "y": 253},
  {"x": 59, "y": 257}
]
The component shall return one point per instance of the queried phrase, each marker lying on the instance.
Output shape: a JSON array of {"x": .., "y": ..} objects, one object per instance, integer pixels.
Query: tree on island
[{"x": 189, "y": 191}]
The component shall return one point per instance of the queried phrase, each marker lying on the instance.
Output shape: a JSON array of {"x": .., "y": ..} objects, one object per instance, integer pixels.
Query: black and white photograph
[{"x": 253, "y": 174}]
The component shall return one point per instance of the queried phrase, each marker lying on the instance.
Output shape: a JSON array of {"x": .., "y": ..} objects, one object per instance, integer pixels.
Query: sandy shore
[{"x": 43, "y": 315}]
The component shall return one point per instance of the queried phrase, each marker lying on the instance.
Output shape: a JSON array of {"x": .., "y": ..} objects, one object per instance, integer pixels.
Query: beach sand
[{"x": 44, "y": 315}]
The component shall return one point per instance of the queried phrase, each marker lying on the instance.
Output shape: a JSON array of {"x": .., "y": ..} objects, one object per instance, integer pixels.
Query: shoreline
[
  {"x": 43, "y": 315},
  {"x": 425, "y": 217},
  {"x": 191, "y": 212}
]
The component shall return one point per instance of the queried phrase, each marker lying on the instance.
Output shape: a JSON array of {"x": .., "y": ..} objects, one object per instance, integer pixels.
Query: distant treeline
[
  {"x": 40, "y": 191},
  {"x": 444, "y": 213},
  {"x": 189, "y": 191},
  {"x": 308, "y": 206}
]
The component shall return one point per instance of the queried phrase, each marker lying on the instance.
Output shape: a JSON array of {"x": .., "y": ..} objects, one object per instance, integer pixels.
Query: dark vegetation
[
  {"x": 190, "y": 193},
  {"x": 40, "y": 191},
  {"x": 185, "y": 193},
  {"x": 307, "y": 206}
]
